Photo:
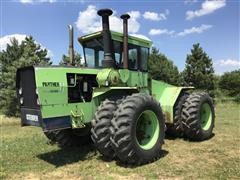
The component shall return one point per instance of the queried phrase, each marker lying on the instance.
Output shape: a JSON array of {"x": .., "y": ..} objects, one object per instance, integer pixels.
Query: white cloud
[
  {"x": 36, "y": 1},
  {"x": 190, "y": 1},
  {"x": 26, "y": 1},
  {"x": 154, "y": 32},
  {"x": 228, "y": 63},
  {"x": 7, "y": 39},
  {"x": 198, "y": 30},
  {"x": 19, "y": 37},
  {"x": 153, "y": 16},
  {"x": 207, "y": 7},
  {"x": 88, "y": 21},
  {"x": 192, "y": 30},
  {"x": 133, "y": 25}
]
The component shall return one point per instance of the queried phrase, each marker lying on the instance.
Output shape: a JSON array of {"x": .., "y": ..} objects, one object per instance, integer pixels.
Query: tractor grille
[{"x": 26, "y": 88}]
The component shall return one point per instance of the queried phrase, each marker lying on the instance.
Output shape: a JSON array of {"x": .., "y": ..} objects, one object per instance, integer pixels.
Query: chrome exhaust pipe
[{"x": 71, "y": 47}]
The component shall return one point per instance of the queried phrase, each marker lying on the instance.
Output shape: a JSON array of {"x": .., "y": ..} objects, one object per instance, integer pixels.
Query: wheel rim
[
  {"x": 206, "y": 116},
  {"x": 147, "y": 129}
]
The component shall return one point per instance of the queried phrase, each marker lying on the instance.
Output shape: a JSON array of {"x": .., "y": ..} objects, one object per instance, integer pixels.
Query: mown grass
[{"x": 26, "y": 154}]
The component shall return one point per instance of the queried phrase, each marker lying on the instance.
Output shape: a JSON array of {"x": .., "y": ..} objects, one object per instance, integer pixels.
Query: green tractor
[{"x": 111, "y": 100}]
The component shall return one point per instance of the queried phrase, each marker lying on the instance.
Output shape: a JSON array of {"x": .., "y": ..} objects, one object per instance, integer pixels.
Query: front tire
[
  {"x": 137, "y": 132},
  {"x": 100, "y": 128},
  {"x": 198, "y": 116}
]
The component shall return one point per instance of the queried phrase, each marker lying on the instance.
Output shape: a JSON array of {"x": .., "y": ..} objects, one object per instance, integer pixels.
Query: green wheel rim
[
  {"x": 147, "y": 129},
  {"x": 206, "y": 116}
]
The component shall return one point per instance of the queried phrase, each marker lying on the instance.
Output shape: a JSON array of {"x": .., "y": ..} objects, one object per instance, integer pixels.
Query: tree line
[{"x": 198, "y": 71}]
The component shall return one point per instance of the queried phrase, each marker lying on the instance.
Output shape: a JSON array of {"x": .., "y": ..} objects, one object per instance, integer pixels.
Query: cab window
[
  {"x": 94, "y": 54},
  {"x": 132, "y": 57},
  {"x": 144, "y": 53}
]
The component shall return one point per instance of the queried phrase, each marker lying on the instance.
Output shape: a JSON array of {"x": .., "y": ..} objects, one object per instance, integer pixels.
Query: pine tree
[
  {"x": 16, "y": 55},
  {"x": 199, "y": 70},
  {"x": 161, "y": 68},
  {"x": 66, "y": 60}
]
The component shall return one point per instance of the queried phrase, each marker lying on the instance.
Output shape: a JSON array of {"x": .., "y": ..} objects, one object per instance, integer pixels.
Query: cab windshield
[{"x": 94, "y": 54}]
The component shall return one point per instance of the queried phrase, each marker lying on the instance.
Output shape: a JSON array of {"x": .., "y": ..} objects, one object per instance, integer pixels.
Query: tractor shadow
[
  {"x": 69, "y": 155},
  {"x": 162, "y": 155},
  {"x": 169, "y": 137}
]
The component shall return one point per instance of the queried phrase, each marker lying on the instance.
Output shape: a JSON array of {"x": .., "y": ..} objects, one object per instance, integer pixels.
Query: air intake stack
[
  {"x": 71, "y": 48},
  {"x": 125, "y": 18},
  {"x": 108, "y": 61}
]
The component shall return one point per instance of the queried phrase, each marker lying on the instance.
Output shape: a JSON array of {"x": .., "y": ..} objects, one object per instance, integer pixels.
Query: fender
[{"x": 167, "y": 96}]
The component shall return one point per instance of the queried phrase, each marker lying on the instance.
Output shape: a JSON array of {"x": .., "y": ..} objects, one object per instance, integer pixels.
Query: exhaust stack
[
  {"x": 108, "y": 61},
  {"x": 125, "y": 18},
  {"x": 71, "y": 48}
]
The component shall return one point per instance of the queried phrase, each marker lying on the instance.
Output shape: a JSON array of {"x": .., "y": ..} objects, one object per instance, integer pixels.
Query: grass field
[{"x": 26, "y": 154}]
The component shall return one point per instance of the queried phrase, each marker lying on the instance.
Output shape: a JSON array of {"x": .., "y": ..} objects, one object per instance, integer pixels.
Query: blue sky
[{"x": 173, "y": 26}]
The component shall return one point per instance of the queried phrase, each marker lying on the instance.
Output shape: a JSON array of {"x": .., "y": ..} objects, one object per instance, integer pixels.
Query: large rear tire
[
  {"x": 137, "y": 132},
  {"x": 176, "y": 128},
  {"x": 198, "y": 116},
  {"x": 100, "y": 128}
]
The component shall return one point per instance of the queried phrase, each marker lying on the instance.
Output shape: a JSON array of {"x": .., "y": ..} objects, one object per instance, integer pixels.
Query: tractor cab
[{"x": 93, "y": 48}]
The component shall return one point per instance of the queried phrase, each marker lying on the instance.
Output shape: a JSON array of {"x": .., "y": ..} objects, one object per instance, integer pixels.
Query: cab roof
[{"x": 118, "y": 37}]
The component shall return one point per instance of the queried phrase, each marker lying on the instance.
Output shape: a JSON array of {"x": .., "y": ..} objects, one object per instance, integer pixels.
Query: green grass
[{"x": 25, "y": 153}]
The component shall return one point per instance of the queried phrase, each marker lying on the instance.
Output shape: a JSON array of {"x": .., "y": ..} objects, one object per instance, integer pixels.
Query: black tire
[
  {"x": 176, "y": 129},
  {"x": 68, "y": 137},
  {"x": 192, "y": 118},
  {"x": 124, "y": 134},
  {"x": 100, "y": 128}
]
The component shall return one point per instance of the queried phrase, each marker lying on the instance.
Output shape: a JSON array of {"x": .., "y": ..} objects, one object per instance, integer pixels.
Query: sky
[{"x": 173, "y": 25}]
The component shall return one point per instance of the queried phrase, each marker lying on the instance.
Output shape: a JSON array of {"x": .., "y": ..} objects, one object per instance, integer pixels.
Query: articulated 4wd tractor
[{"x": 111, "y": 100}]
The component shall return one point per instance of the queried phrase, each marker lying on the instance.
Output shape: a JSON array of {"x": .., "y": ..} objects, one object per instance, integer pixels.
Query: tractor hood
[
  {"x": 59, "y": 93},
  {"x": 54, "y": 82},
  {"x": 51, "y": 84}
]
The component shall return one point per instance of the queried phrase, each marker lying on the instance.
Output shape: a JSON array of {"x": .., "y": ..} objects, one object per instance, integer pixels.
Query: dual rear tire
[
  {"x": 198, "y": 116},
  {"x": 193, "y": 117},
  {"x": 133, "y": 131}
]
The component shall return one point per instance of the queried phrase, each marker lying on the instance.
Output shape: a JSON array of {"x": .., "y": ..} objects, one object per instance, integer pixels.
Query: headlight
[
  {"x": 85, "y": 87},
  {"x": 36, "y": 91},
  {"x": 20, "y": 91},
  {"x": 38, "y": 102},
  {"x": 106, "y": 83},
  {"x": 21, "y": 100}
]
